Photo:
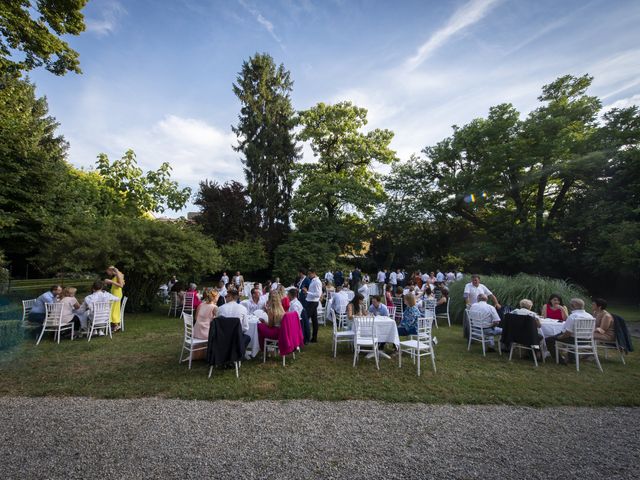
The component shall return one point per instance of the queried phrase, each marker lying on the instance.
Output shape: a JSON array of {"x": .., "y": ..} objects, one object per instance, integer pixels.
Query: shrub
[{"x": 510, "y": 290}]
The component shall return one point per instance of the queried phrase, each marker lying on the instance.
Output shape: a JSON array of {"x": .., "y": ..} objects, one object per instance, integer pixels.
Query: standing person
[
  {"x": 224, "y": 278},
  {"x": 440, "y": 276},
  {"x": 393, "y": 279},
  {"x": 339, "y": 278},
  {"x": 380, "y": 281},
  {"x": 328, "y": 277},
  {"x": 356, "y": 277},
  {"x": 117, "y": 283},
  {"x": 314, "y": 293},
  {"x": 401, "y": 275},
  {"x": 303, "y": 285},
  {"x": 459, "y": 275},
  {"x": 39, "y": 312},
  {"x": 238, "y": 282},
  {"x": 474, "y": 288}
]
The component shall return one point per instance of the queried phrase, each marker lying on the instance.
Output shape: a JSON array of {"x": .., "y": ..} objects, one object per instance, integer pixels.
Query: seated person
[
  {"x": 271, "y": 328},
  {"x": 255, "y": 302},
  {"x": 98, "y": 295},
  {"x": 205, "y": 313},
  {"x": 605, "y": 330},
  {"x": 69, "y": 305},
  {"x": 377, "y": 308},
  {"x": 339, "y": 300},
  {"x": 38, "y": 312},
  {"x": 525, "y": 309},
  {"x": 356, "y": 307},
  {"x": 566, "y": 336},
  {"x": 232, "y": 309},
  {"x": 409, "y": 323},
  {"x": 294, "y": 303},
  {"x": 489, "y": 312},
  {"x": 441, "y": 305},
  {"x": 554, "y": 308},
  {"x": 388, "y": 295}
]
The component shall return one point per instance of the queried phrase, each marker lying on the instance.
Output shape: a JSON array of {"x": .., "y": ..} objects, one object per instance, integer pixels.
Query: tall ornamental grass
[{"x": 510, "y": 290}]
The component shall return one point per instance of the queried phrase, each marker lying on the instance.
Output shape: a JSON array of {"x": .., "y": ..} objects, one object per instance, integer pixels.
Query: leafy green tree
[
  {"x": 303, "y": 250},
  {"x": 267, "y": 143},
  {"x": 31, "y": 31},
  {"x": 140, "y": 192},
  {"x": 248, "y": 256},
  {"x": 147, "y": 251},
  {"x": 338, "y": 194},
  {"x": 32, "y": 166},
  {"x": 224, "y": 211}
]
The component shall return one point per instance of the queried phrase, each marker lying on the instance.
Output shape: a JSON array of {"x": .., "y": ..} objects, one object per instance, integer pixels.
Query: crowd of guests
[{"x": 80, "y": 314}]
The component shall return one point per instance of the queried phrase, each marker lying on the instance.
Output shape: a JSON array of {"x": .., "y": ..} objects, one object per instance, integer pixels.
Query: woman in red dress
[{"x": 554, "y": 308}]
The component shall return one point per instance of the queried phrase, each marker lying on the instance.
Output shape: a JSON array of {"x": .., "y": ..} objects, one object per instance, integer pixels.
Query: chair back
[
  {"x": 331, "y": 317},
  {"x": 364, "y": 328},
  {"x": 53, "y": 314},
  {"x": 392, "y": 312},
  {"x": 187, "y": 302},
  {"x": 187, "y": 319},
  {"x": 101, "y": 313},
  {"x": 430, "y": 307},
  {"x": 425, "y": 324},
  {"x": 520, "y": 329},
  {"x": 225, "y": 342},
  {"x": 583, "y": 330},
  {"x": 398, "y": 302},
  {"x": 27, "y": 305},
  {"x": 123, "y": 302}
]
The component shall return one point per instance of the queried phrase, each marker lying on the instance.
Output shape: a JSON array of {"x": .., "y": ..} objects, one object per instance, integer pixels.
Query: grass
[{"x": 143, "y": 362}]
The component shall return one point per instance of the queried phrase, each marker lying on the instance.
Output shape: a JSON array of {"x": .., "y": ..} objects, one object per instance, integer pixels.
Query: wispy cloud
[
  {"x": 111, "y": 13},
  {"x": 262, "y": 20},
  {"x": 470, "y": 13}
]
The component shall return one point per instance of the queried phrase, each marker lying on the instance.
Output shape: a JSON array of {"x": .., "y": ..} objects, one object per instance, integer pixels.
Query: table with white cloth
[
  {"x": 254, "y": 344},
  {"x": 550, "y": 327},
  {"x": 386, "y": 332}
]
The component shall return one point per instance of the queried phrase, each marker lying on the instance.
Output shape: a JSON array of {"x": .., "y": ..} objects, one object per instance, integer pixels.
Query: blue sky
[{"x": 158, "y": 73}]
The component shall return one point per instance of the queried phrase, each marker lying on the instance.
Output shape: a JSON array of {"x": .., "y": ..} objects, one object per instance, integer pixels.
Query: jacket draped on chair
[
  {"x": 291, "y": 336},
  {"x": 226, "y": 342}
]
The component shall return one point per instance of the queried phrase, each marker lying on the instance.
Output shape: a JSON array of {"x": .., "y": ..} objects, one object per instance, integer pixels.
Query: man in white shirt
[
  {"x": 328, "y": 277},
  {"x": 314, "y": 293},
  {"x": 225, "y": 278},
  {"x": 254, "y": 303},
  {"x": 294, "y": 303},
  {"x": 275, "y": 284},
  {"x": 451, "y": 277},
  {"x": 439, "y": 276},
  {"x": 339, "y": 300},
  {"x": 393, "y": 279},
  {"x": 232, "y": 309},
  {"x": 577, "y": 311},
  {"x": 490, "y": 316},
  {"x": 473, "y": 289},
  {"x": 98, "y": 295},
  {"x": 38, "y": 312},
  {"x": 459, "y": 276},
  {"x": 380, "y": 281},
  {"x": 400, "y": 276}
]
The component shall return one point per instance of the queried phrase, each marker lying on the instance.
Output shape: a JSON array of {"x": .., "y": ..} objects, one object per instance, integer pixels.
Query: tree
[
  {"x": 338, "y": 194},
  {"x": 32, "y": 166},
  {"x": 147, "y": 251},
  {"x": 224, "y": 211},
  {"x": 30, "y": 34},
  {"x": 141, "y": 193},
  {"x": 267, "y": 143},
  {"x": 248, "y": 256},
  {"x": 303, "y": 250}
]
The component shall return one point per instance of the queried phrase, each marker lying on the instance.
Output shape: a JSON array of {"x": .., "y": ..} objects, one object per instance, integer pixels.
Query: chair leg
[
  {"x": 511, "y": 350},
  {"x": 284, "y": 360},
  {"x": 577, "y": 355},
  {"x": 400, "y": 357},
  {"x": 264, "y": 351},
  {"x": 375, "y": 355},
  {"x": 190, "y": 356},
  {"x": 557, "y": 355},
  {"x": 355, "y": 355},
  {"x": 595, "y": 354},
  {"x": 237, "y": 372},
  {"x": 533, "y": 352},
  {"x": 433, "y": 361},
  {"x": 418, "y": 352},
  {"x": 469, "y": 344},
  {"x": 210, "y": 371},
  {"x": 41, "y": 334}
]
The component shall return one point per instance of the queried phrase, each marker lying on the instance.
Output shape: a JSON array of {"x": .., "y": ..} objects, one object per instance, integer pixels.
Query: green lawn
[{"x": 143, "y": 362}]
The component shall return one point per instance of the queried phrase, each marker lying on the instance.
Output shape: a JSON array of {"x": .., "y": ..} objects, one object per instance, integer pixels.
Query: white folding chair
[
  {"x": 583, "y": 342},
  {"x": 101, "y": 319},
  {"x": 365, "y": 339},
  {"x": 478, "y": 322},
  {"x": 419, "y": 345},
  {"x": 322, "y": 314},
  {"x": 398, "y": 302},
  {"x": 123, "y": 302},
  {"x": 53, "y": 322},
  {"x": 339, "y": 336},
  {"x": 190, "y": 344},
  {"x": 27, "y": 305},
  {"x": 173, "y": 304},
  {"x": 606, "y": 346},
  {"x": 392, "y": 312},
  {"x": 445, "y": 315}
]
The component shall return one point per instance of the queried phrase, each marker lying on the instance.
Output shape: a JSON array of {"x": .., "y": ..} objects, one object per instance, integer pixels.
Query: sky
[{"x": 158, "y": 74}]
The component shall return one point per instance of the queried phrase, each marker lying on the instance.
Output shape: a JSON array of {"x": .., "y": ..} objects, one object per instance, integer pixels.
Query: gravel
[{"x": 156, "y": 438}]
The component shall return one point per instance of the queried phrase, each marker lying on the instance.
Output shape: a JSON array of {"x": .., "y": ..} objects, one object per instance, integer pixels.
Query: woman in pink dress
[
  {"x": 275, "y": 312},
  {"x": 205, "y": 312}
]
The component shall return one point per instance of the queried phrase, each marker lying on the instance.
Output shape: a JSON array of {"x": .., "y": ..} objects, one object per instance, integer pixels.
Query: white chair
[
  {"x": 419, "y": 345},
  {"x": 583, "y": 342},
  {"x": 392, "y": 312},
  {"x": 327, "y": 308},
  {"x": 123, "y": 302},
  {"x": 398, "y": 302},
  {"x": 322, "y": 315},
  {"x": 187, "y": 303},
  {"x": 445, "y": 315},
  {"x": 344, "y": 336},
  {"x": 430, "y": 310},
  {"x": 101, "y": 319},
  {"x": 271, "y": 345},
  {"x": 478, "y": 322},
  {"x": 173, "y": 304},
  {"x": 365, "y": 340},
  {"x": 606, "y": 346},
  {"x": 190, "y": 344},
  {"x": 53, "y": 322},
  {"x": 27, "y": 305}
]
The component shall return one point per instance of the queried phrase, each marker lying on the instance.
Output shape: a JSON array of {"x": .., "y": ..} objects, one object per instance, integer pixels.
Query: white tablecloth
[
  {"x": 254, "y": 344},
  {"x": 387, "y": 330},
  {"x": 550, "y": 327}
]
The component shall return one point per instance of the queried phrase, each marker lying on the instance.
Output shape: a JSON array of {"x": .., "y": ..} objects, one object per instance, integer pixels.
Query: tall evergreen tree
[{"x": 267, "y": 143}]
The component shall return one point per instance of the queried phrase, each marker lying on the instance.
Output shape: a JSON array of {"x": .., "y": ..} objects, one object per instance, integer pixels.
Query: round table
[{"x": 550, "y": 327}]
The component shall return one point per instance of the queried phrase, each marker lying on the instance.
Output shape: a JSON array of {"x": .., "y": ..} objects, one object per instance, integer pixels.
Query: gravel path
[{"x": 154, "y": 438}]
